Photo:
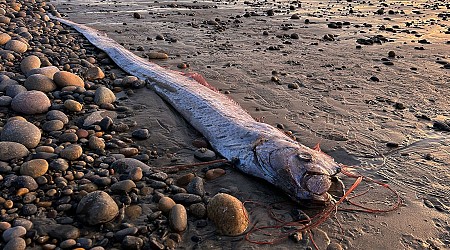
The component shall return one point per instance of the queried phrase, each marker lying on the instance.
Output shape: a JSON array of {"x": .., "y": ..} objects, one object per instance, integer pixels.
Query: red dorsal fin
[
  {"x": 317, "y": 147},
  {"x": 200, "y": 79}
]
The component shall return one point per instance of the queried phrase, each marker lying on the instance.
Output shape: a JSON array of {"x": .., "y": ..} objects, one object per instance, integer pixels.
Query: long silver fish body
[{"x": 257, "y": 148}]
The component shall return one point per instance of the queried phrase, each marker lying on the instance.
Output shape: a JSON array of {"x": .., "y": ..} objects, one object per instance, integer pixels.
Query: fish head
[{"x": 302, "y": 172}]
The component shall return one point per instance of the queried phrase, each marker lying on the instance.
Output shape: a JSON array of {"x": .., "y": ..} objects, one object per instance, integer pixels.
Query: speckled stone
[
  {"x": 34, "y": 168},
  {"x": 30, "y": 102},
  {"x": 97, "y": 208},
  {"x": 64, "y": 78},
  {"x": 29, "y": 63},
  {"x": 228, "y": 214},
  {"x": 40, "y": 82},
  {"x": 22, "y": 132},
  {"x": 104, "y": 95},
  {"x": 12, "y": 150},
  {"x": 71, "y": 152}
]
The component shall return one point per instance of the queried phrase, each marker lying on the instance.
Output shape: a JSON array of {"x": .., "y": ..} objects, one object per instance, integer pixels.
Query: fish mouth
[{"x": 316, "y": 183}]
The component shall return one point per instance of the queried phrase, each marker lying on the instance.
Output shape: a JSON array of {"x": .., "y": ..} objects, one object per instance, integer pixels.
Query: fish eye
[{"x": 304, "y": 156}]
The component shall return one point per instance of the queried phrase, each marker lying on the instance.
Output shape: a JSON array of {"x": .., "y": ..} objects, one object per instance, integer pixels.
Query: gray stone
[
  {"x": 59, "y": 165},
  {"x": 40, "y": 82},
  {"x": 97, "y": 208},
  {"x": 196, "y": 186},
  {"x": 5, "y": 101},
  {"x": 64, "y": 232},
  {"x": 22, "y": 132},
  {"x": 178, "y": 218},
  {"x": 53, "y": 125},
  {"x": 57, "y": 115},
  {"x": 132, "y": 243},
  {"x": 48, "y": 71},
  {"x": 124, "y": 186},
  {"x": 97, "y": 116},
  {"x": 12, "y": 150},
  {"x": 126, "y": 164},
  {"x": 13, "y": 232},
  {"x": 15, "y": 244},
  {"x": 31, "y": 102},
  {"x": 13, "y": 90},
  {"x": 29, "y": 63},
  {"x": 104, "y": 95}
]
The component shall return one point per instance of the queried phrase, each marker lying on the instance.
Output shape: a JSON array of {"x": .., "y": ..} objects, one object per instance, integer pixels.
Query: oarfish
[{"x": 257, "y": 148}]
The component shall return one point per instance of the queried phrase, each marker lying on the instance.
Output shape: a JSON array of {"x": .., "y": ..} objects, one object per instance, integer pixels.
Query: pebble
[
  {"x": 70, "y": 243},
  {"x": 39, "y": 82},
  {"x": 96, "y": 143},
  {"x": 25, "y": 181},
  {"x": 178, "y": 218},
  {"x": 104, "y": 95},
  {"x": 48, "y": 71},
  {"x": 72, "y": 152},
  {"x": 14, "y": 90},
  {"x": 16, "y": 46},
  {"x": 53, "y": 125},
  {"x": 97, "y": 208},
  {"x": 165, "y": 204},
  {"x": 214, "y": 173},
  {"x": 128, "y": 152},
  {"x": 94, "y": 73},
  {"x": 196, "y": 186},
  {"x": 4, "y": 38},
  {"x": 186, "y": 198},
  {"x": 198, "y": 210},
  {"x": 15, "y": 244},
  {"x": 204, "y": 154},
  {"x": 185, "y": 179},
  {"x": 135, "y": 174},
  {"x": 5, "y": 101},
  {"x": 13, "y": 232},
  {"x": 64, "y": 232},
  {"x": 64, "y": 78},
  {"x": 31, "y": 102},
  {"x": 228, "y": 214},
  {"x": 121, "y": 234},
  {"x": 68, "y": 137},
  {"x": 24, "y": 223},
  {"x": 57, "y": 115},
  {"x": 126, "y": 164},
  {"x": 141, "y": 134},
  {"x": 124, "y": 186},
  {"x": 34, "y": 168},
  {"x": 29, "y": 63},
  {"x": 72, "y": 105},
  {"x": 22, "y": 132},
  {"x": 157, "y": 55},
  {"x": 12, "y": 150},
  {"x": 132, "y": 243}
]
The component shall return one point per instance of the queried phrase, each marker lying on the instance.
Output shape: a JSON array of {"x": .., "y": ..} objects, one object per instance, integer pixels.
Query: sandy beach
[{"x": 369, "y": 81}]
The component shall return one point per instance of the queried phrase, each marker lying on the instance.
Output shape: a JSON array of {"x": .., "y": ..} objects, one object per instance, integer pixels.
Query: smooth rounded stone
[
  {"x": 14, "y": 90},
  {"x": 12, "y": 150},
  {"x": 25, "y": 181},
  {"x": 141, "y": 134},
  {"x": 64, "y": 232},
  {"x": 29, "y": 63},
  {"x": 96, "y": 208},
  {"x": 70, "y": 243},
  {"x": 16, "y": 46},
  {"x": 4, "y": 225},
  {"x": 53, "y": 125},
  {"x": 228, "y": 214},
  {"x": 121, "y": 234},
  {"x": 135, "y": 174},
  {"x": 48, "y": 71},
  {"x": 178, "y": 218},
  {"x": 31, "y": 102},
  {"x": 97, "y": 116},
  {"x": 186, "y": 198},
  {"x": 104, "y": 95},
  {"x": 68, "y": 137},
  {"x": 185, "y": 179},
  {"x": 132, "y": 243},
  {"x": 22, "y": 132},
  {"x": 71, "y": 152},
  {"x": 126, "y": 164},
  {"x": 334, "y": 246},
  {"x": 128, "y": 80},
  {"x": 34, "y": 168},
  {"x": 39, "y": 82},
  {"x": 59, "y": 164},
  {"x": 165, "y": 204},
  {"x": 107, "y": 123},
  {"x": 96, "y": 143},
  {"x": 196, "y": 186},
  {"x": 157, "y": 55},
  {"x": 15, "y": 244},
  {"x": 214, "y": 173},
  {"x": 4, "y": 38},
  {"x": 85, "y": 243},
  {"x": 124, "y": 186},
  {"x": 94, "y": 73},
  {"x": 128, "y": 152},
  {"x": 65, "y": 78},
  {"x": 5, "y": 19},
  {"x": 198, "y": 210},
  {"x": 4, "y": 169},
  {"x": 7, "y": 82},
  {"x": 73, "y": 105},
  {"x": 204, "y": 154},
  {"x": 57, "y": 115},
  {"x": 5, "y": 101},
  {"x": 24, "y": 223},
  {"x": 29, "y": 209},
  {"x": 13, "y": 232}
]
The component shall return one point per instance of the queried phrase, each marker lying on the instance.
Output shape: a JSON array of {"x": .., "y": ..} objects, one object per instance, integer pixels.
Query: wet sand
[{"x": 364, "y": 107}]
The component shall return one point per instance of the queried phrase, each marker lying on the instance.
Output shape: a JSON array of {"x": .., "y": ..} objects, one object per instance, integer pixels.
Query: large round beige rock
[
  {"x": 104, "y": 95},
  {"x": 48, "y": 71},
  {"x": 97, "y": 208},
  {"x": 22, "y": 132},
  {"x": 178, "y": 218},
  {"x": 29, "y": 63},
  {"x": 4, "y": 38},
  {"x": 71, "y": 152},
  {"x": 94, "y": 73},
  {"x": 73, "y": 105},
  {"x": 12, "y": 150},
  {"x": 16, "y": 46},
  {"x": 34, "y": 168},
  {"x": 64, "y": 78},
  {"x": 165, "y": 204},
  {"x": 40, "y": 82},
  {"x": 96, "y": 143},
  {"x": 31, "y": 102},
  {"x": 228, "y": 214}
]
